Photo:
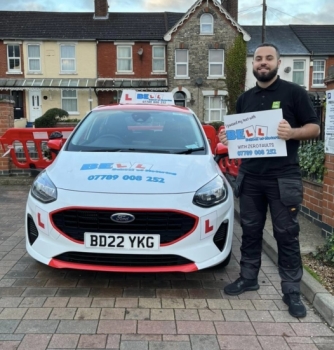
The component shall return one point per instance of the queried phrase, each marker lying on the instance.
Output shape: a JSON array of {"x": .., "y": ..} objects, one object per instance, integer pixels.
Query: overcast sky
[{"x": 250, "y": 11}]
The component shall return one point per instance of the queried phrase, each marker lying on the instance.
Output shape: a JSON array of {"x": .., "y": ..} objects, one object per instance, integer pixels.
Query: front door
[
  {"x": 35, "y": 106},
  {"x": 18, "y": 106}
]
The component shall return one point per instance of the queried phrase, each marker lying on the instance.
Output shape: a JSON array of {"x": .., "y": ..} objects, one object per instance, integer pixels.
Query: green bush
[
  {"x": 326, "y": 253},
  {"x": 312, "y": 160},
  {"x": 50, "y": 118}
]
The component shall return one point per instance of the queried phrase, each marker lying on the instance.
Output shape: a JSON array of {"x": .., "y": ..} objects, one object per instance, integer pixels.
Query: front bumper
[{"x": 197, "y": 249}]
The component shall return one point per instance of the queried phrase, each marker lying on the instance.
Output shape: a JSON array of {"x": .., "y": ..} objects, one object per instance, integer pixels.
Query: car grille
[
  {"x": 171, "y": 226},
  {"x": 221, "y": 235},
  {"x": 126, "y": 260}
]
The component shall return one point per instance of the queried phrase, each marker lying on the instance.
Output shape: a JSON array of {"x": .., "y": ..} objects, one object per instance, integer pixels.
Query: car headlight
[
  {"x": 43, "y": 188},
  {"x": 212, "y": 193}
]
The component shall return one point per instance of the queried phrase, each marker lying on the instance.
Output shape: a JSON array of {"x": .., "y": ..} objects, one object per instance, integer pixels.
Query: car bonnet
[{"x": 135, "y": 173}]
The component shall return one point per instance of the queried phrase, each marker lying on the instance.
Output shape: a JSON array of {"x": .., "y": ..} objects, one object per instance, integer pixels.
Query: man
[{"x": 273, "y": 181}]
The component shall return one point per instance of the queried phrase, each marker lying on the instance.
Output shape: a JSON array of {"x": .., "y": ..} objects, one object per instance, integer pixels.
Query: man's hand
[
  {"x": 284, "y": 130},
  {"x": 222, "y": 137}
]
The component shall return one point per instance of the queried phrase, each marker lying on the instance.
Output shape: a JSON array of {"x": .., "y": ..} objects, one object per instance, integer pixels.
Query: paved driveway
[{"x": 44, "y": 308}]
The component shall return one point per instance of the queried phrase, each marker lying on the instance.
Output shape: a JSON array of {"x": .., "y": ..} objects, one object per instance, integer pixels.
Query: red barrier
[
  {"x": 26, "y": 146},
  {"x": 211, "y": 134}
]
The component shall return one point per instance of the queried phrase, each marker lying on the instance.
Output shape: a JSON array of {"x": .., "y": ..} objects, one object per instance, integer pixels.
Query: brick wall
[
  {"x": 328, "y": 195},
  {"x": 318, "y": 203},
  {"x": 6, "y": 122}
]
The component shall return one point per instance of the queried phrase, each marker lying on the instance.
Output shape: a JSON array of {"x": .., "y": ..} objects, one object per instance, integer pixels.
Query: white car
[{"x": 135, "y": 188}]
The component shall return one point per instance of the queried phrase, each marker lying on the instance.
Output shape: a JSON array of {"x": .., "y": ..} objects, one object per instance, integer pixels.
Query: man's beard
[{"x": 264, "y": 78}]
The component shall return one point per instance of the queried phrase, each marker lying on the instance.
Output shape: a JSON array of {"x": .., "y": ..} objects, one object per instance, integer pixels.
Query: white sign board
[
  {"x": 329, "y": 122},
  {"x": 254, "y": 135}
]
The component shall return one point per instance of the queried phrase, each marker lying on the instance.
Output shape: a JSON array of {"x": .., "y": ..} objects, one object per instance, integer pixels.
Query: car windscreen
[{"x": 138, "y": 130}]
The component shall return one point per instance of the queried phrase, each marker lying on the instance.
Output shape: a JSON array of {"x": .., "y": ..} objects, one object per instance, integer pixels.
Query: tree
[{"x": 235, "y": 72}]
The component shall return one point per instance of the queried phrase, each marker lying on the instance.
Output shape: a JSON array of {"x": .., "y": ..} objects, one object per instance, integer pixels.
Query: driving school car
[{"x": 135, "y": 188}]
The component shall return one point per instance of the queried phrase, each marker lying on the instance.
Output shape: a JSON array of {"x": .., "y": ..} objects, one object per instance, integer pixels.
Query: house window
[
  {"x": 181, "y": 63},
  {"x": 214, "y": 108},
  {"x": 206, "y": 24},
  {"x": 34, "y": 58},
  {"x": 69, "y": 100},
  {"x": 124, "y": 58},
  {"x": 67, "y": 57},
  {"x": 158, "y": 57},
  {"x": 216, "y": 63},
  {"x": 298, "y": 73},
  {"x": 14, "y": 58},
  {"x": 318, "y": 72}
]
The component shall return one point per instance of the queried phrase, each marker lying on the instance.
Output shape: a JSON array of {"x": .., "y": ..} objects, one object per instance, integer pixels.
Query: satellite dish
[
  {"x": 199, "y": 81},
  {"x": 140, "y": 51},
  {"x": 287, "y": 69}
]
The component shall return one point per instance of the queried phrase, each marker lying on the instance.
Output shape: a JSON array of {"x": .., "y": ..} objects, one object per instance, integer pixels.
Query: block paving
[{"x": 45, "y": 308}]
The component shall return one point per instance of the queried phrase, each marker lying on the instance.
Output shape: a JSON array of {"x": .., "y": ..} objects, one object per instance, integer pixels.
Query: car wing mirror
[{"x": 220, "y": 152}]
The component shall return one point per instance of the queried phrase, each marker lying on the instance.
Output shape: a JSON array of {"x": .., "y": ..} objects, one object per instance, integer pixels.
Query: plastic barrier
[
  {"x": 211, "y": 134},
  {"x": 26, "y": 146}
]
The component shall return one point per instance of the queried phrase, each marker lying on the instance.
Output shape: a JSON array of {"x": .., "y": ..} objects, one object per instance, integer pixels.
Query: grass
[{"x": 312, "y": 273}]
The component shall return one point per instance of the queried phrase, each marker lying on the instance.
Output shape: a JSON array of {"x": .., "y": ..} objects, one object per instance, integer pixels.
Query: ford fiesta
[{"x": 135, "y": 188}]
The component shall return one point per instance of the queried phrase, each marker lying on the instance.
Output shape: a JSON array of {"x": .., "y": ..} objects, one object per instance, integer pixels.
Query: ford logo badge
[{"x": 122, "y": 218}]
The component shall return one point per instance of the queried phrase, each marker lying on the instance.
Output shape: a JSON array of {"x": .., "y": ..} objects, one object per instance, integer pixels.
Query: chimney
[
  {"x": 232, "y": 8},
  {"x": 101, "y": 9}
]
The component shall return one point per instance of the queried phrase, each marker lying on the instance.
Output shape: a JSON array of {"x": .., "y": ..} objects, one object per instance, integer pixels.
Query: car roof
[{"x": 144, "y": 107}]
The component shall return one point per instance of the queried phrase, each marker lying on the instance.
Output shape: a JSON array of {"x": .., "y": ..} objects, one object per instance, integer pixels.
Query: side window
[
  {"x": 158, "y": 59},
  {"x": 67, "y": 59},
  {"x": 181, "y": 63},
  {"x": 216, "y": 63},
  {"x": 206, "y": 24},
  {"x": 124, "y": 59},
  {"x": 34, "y": 58},
  {"x": 69, "y": 101},
  {"x": 13, "y": 58}
]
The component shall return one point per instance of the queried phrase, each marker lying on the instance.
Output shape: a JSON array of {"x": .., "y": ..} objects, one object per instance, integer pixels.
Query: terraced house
[{"x": 76, "y": 61}]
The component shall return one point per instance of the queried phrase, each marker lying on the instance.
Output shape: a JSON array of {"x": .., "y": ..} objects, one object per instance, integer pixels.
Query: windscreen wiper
[
  {"x": 102, "y": 150},
  {"x": 190, "y": 150},
  {"x": 144, "y": 150}
]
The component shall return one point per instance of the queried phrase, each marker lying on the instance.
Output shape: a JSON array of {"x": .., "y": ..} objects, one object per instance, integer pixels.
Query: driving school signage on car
[
  {"x": 135, "y": 97},
  {"x": 254, "y": 135}
]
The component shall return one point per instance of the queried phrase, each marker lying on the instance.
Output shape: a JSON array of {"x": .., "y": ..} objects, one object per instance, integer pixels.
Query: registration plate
[{"x": 122, "y": 242}]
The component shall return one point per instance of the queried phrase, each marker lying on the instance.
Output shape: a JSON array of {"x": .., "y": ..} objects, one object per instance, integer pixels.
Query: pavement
[{"x": 46, "y": 308}]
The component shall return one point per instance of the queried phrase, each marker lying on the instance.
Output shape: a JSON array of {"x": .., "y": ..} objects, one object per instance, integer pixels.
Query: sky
[{"x": 279, "y": 12}]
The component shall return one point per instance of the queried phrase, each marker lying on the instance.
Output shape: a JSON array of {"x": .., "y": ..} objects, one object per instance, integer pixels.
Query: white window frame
[
  {"x": 216, "y": 63},
  {"x": 186, "y": 63},
  {"x": 124, "y": 58},
  {"x": 322, "y": 72},
  {"x": 13, "y": 70},
  {"x": 69, "y": 98},
  {"x": 299, "y": 70},
  {"x": 207, "y": 111},
  {"x": 204, "y": 21},
  {"x": 34, "y": 58},
  {"x": 159, "y": 59},
  {"x": 68, "y": 71}
]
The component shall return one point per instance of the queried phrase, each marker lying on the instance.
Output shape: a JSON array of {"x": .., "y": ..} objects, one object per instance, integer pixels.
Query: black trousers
[{"x": 284, "y": 196}]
